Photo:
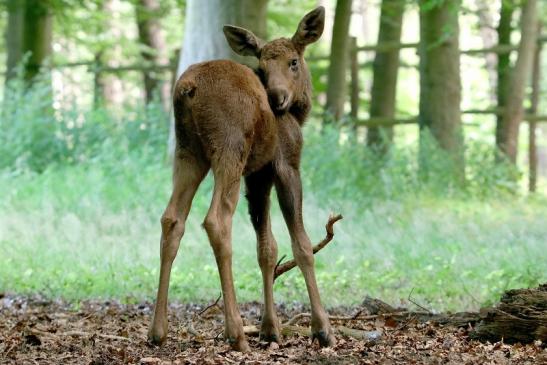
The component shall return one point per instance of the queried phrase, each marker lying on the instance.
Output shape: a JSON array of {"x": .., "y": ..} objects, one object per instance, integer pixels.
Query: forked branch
[{"x": 329, "y": 227}]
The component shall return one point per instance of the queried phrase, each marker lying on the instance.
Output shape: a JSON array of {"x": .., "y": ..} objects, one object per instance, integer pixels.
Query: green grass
[
  {"x": 91, "y": 230},
  {"x": 82, "y": 191}
]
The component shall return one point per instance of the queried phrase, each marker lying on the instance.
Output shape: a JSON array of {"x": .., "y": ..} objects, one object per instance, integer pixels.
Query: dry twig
[
  {"x": 416, "y": 304},
  {"x": 283, "y": 268},
  {"x": 210, "y": 306}
]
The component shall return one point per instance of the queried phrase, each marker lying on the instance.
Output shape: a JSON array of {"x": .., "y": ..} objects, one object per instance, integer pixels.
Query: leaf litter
[{"x": 38, "y": 331}]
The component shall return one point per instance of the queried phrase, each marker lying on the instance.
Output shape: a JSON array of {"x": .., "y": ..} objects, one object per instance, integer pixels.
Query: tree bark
[
  {"x": 440, "y": 85},
  {"x": 514, "y": 108},
  {"x": 109, "y": 84},
  {"x": 154, "y": 50},
  {"x": 336, "y": 87},
  {"x": 534, "y": 105},
  {"x": 504, "y": 63},
  {"x": 488, "y": 36},
  {"x": 14, "y": 36},
  {"x": 385, "y": 70},
  {"x": 521, "y": 316},
  {"x": 37, "y": 36},
  {"x": 204, "y": 39}
]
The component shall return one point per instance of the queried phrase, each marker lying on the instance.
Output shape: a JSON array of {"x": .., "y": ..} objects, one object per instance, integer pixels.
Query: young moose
[{"x": 236, "y": 123}]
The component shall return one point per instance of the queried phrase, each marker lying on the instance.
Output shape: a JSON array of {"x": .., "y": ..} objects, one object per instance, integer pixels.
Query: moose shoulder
[{"x": 241, "y": 124}]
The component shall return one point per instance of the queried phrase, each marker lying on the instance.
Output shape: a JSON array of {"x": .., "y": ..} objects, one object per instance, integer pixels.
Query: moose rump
[{"x": 243, "y": 135}]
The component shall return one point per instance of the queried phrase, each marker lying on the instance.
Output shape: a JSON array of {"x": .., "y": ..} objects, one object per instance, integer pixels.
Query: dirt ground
[{"x": 38, "y": 331}]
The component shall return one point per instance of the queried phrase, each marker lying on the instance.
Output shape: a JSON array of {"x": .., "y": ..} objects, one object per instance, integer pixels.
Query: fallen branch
[
  {"x": 289, "y": 330},
  {"x": 283, "y": 268},
  {"x": 286, "y": 330},
  {"x": 359, "y": 334},
  {"x": 299, "y": 316}
]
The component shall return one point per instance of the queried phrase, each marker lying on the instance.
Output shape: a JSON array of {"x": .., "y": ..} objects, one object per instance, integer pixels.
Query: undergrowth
[{"x": 82, "y": 191}]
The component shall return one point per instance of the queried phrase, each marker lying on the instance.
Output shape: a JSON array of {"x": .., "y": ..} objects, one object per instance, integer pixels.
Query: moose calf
[{"x": 238, "y": 123}]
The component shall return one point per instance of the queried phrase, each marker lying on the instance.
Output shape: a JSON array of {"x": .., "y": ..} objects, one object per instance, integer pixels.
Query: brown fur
[{"x": 238, "y": 123}]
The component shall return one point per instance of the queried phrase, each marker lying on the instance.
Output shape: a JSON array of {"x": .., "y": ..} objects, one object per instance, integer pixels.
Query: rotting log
[{"x": 521, "y": 316}]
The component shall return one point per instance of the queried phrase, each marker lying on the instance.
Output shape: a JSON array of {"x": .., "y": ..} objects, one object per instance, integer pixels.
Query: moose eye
[{"x": 294, "y": 63}]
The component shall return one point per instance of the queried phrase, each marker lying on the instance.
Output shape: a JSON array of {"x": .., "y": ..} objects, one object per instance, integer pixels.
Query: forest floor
[{"x": 39, "y": 331}]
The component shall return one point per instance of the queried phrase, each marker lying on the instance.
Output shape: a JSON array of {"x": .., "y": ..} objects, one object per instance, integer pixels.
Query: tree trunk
[
  {"x": 504, "y": 63},
  {"x": 336, "y": 87},
  {"x": 488, "y": 36},
  {"x": 534, "y": 105},
  {"x": 204, "y": 39},
  {"x": 14, "y": 36},
  {"x": 514, "y": 108},
  {"x": 110, "y": 85},
  {"x": 385, "y": 70},
  {"x": 153, "y": 49},
  {"x": 37, "y": 35},
  {"x": 440, "y": 87}
]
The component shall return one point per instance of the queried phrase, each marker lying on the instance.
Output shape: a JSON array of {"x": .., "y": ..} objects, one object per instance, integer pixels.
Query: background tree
[
  {"x": 385, "y": 70},
  {"x": 338, "y": 60},
  {"x": 14, "y": 36},
  {"x": 504, "y": 64},
  {"x": 514, "y": 103},
  {"x": 37, "y": 35},
  {"x": 153, "y": 50},
  {"x": 28, "y": 32},
  {"x": 203, "y": 36},
  {"x": 440, "y": 85},
  {"x": 109, "y": 54},
  {"x": 487, "y": 33}
]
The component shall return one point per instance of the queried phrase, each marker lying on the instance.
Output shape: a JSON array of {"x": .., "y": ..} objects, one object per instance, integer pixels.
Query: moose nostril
[{"x": 277, "y": 98}]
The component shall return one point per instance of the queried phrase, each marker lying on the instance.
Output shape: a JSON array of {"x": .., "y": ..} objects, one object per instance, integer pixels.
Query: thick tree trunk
[
  {"x": 385, "y": 70},
  {"x": 14, "y": 36},
  {"x": 336, "y": 87},
  {"x": 440, "y": 86},
  {"x": 37, "y": 35},
  {"x": 504, "y": 63},
  {"x": 154, "y": 49},
  {"x": 514, "y": 108},
  {"x": 204, "y": 39}
]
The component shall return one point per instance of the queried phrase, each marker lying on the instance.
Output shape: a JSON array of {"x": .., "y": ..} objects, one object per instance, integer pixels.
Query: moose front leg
[{"x": 289, "y": 192}]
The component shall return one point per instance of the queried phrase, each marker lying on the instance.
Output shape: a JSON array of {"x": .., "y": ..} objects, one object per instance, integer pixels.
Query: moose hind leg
[
  {"x": 289, "y": 192},
  {"x": 187, "y": 175},
  {"x": 259, "y": 185},
  {"x": 218, "y": 224}
]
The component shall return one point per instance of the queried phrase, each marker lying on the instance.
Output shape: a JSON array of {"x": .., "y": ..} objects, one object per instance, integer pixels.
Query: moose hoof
[
  {"x": 269, "y": 331},
  {"x": 325, "y": 339},
  {"x": 269, "y": 337},
  {"x": 240, "y": 345},
  {"x": 156, "y": 337}
]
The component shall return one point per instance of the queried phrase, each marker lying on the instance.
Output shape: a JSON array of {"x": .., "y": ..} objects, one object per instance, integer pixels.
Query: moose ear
[
  {"x": 310, "y": 28},
  {"x": 242, "y": 41}
]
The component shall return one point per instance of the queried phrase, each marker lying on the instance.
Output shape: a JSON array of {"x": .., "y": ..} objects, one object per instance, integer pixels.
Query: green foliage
[{"x": 36, "y": 136}]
